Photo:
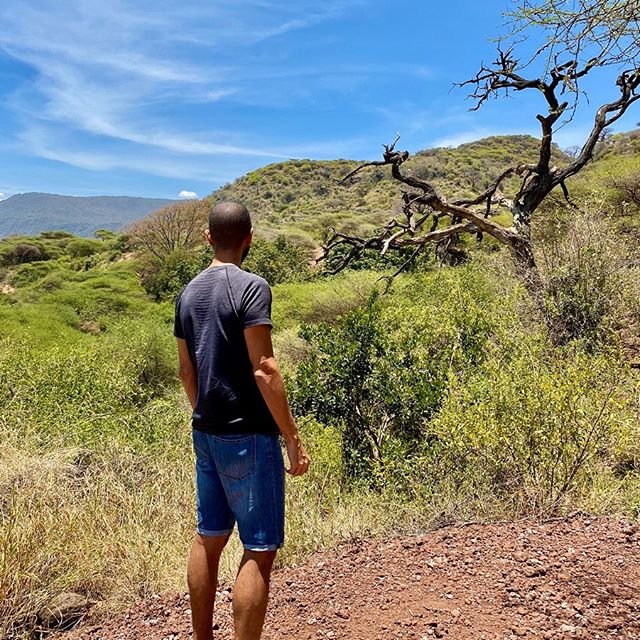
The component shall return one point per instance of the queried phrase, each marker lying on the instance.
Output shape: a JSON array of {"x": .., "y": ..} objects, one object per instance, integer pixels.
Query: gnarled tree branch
[{"x": 579, "y": 36}]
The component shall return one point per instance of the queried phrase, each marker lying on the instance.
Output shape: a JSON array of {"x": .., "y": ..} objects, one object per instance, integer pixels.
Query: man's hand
[{"x": 299, "y": 459}]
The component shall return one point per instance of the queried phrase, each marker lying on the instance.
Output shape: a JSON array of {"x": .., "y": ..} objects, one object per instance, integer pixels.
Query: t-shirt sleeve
[
  {"x": 256, "y": 304},
  {"x": 178, "y": 329}
]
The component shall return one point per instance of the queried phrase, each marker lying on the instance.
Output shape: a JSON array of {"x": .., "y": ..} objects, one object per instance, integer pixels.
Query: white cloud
[
  {"x": 2, "y": 196},
  {"x": 217, "y": 94},
  {"x": 43, "y": 143},
  {"x": 188, "y": 195}
]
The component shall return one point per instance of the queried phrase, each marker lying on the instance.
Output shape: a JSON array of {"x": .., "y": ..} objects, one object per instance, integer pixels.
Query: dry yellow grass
[{"x": 116, "y": 525}]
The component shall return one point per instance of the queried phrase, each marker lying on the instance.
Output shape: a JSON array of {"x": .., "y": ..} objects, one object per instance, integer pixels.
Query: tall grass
[
  {"x": 96, "y": 476},
  {"x": 115, "y": 524}
]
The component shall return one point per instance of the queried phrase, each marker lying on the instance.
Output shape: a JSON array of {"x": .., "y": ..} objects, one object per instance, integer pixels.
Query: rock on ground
[{"x": 573, "y": 578}]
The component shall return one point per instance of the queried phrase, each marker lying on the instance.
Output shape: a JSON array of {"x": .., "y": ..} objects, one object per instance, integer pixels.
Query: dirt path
[{"x": 576, "y": 578}]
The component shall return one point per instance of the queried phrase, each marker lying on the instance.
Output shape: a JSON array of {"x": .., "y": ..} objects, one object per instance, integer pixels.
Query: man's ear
[
  {"x": 207, "y": 235},
  {"x": 250, "y": 237}
]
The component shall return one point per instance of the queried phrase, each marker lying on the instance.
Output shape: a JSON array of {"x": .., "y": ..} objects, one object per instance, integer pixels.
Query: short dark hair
[{"x": 229, "y": 224}]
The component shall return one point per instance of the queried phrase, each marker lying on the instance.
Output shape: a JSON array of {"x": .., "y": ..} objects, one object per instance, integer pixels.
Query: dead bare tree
[
  {"x": 578, "y": 36},
  {"x": 178, "y": 226}
]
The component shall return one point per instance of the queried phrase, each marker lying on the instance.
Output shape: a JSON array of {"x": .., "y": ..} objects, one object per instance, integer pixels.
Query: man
[{"x": 227, "y": 368}]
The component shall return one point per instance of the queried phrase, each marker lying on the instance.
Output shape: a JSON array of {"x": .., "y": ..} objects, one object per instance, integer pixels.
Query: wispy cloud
[
  {"x": 110, "y": 78},
  {"x": 41, "y": 142}
]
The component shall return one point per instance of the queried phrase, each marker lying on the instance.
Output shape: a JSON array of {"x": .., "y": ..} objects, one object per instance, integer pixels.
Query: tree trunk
[{"x": 521, "y": 248}]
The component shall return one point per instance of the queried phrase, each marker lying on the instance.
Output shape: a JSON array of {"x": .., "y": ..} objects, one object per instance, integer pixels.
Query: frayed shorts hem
[
  {"x": 213, "y": 534},
  {"x": 263, "y": 547}
]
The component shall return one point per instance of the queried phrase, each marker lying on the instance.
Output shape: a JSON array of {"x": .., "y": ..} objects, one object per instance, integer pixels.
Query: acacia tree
[
  {"x": 178, "y": 226},
  {"x": 578, "y": 37},
  {"x": 165, "y": 241}
]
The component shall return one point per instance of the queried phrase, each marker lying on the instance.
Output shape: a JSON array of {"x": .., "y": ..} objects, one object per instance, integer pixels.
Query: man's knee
[
  {"x": 213, "y": 545},
  {"x": 264, "y": 559}
]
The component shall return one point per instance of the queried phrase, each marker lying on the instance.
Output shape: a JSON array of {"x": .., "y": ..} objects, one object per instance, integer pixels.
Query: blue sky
[{"x": 155, "y": 98}]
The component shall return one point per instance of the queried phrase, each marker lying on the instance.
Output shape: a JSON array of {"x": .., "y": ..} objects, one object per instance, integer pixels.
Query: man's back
[{"x": 212, "y": 313}]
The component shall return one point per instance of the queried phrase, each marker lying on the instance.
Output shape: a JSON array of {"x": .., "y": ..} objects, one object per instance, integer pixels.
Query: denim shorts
[{"x": 240, "y": 478}]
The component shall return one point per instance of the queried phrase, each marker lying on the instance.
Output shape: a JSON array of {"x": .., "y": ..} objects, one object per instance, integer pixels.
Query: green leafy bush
[
  {"x": 28, "y": 273},
  {"x": 277, "y": 261},
  {"x": 379, "y": 373},
  {"x": 586, "y": 272},
  {"x": 57, "y": 235},
  {"x": 82, "y": 247},
  {"x": 529, "y": 430},
  {"x": 164, "y": 279},
  {"x": 392, "y": 261}
]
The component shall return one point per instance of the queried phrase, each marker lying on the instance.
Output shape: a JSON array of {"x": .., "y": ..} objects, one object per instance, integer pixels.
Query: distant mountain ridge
[{"x": 32, "y": 213}]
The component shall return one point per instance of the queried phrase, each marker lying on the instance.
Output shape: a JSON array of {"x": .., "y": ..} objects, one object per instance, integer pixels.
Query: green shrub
[
  {"x": 380, "y": 387},
  {"x": 22, "y": 253},
  {"x": 530, "y": 430},
  {"x": 82, "y": 247},
  {"x": 372, "y": 260},
  {"x": 586, "y": 271},
  {"x": 28, "y": 273},
  {"x": 278, "y": 260},
  {"x": 165, "y": 279},
  {"x": 56, "y": 235},
  {"x": 105, "y": 234}
]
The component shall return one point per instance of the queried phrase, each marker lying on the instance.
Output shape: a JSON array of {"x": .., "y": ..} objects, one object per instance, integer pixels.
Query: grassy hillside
[
  {"x": 622, "y": 144},
  {"x": 303, "y": 197},
  {"x": 76, "y": 287},
  {"x": 611, "y": 182}
]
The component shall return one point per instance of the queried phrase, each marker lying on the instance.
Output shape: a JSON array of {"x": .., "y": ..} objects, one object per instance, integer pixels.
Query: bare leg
[
  {"x": 202, "y": 577},
  {"x": 251, "y": 593}
]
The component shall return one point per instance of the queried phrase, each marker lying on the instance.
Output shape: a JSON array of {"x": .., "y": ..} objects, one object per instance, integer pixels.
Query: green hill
[
  {"x": 623, "y": 144},
  {"x": 612, "y": 180},
  {"x": 303, "y": 197}
]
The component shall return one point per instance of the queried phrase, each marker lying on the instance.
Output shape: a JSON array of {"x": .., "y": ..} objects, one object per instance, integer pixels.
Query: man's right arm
[
  {"x": 188, "y": 373},
  {"x": 269, "y": 380}
]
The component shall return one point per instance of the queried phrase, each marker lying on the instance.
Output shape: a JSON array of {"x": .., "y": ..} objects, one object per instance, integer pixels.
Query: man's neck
[{"x": 221, "y": 259}]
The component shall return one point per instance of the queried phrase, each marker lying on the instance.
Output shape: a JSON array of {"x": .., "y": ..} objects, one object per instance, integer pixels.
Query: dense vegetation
[{"x": 439, "y": 399}]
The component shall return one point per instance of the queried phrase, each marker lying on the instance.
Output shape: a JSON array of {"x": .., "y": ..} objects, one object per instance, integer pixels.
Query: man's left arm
[{"x": 188, "y": 373}]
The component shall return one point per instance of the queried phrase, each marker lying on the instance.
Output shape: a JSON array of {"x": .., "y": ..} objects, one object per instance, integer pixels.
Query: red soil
[{"x": 574, "y": 578}]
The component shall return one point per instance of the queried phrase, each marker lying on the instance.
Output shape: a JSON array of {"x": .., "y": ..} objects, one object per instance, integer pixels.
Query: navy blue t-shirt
[{"x": 212, "y": 312}]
